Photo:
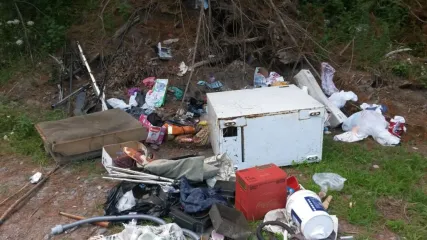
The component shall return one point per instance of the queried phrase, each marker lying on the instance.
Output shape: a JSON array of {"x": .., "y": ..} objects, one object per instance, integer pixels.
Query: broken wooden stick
[
  {"x": 13, "y": 195},
  {"x": 77, "y": 217},
  {"x": 327, "y": 202},
  {"x": 24, "y": 197},
  {"x": 194, "y": 55}
]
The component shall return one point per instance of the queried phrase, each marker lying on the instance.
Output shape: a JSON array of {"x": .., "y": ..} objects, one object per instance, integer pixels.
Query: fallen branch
[
  {"x": 24, "y": 197},
  {"x": 199, "y": 24},
  {"x": 125, "y": 27},
  {"x": 247, "y": 40},
  {"x": 397, "y": 51},
  {"x": 204, "y": 62},
  {"x": 13, "y": 195},
  {"x": 292, "y": 37}
]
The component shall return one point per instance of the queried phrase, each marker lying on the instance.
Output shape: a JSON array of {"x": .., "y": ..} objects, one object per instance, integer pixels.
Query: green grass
[
  {"x": 399, "y": 177},
  {"x": 17, "y": 123}
]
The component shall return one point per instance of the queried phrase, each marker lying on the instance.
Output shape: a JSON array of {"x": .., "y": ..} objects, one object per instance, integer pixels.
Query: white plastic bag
[
  {"x": 117, "y": 103},
  {"x": 367, "y": 123},
  {"x": 126, "y": 202},
  {"x": 340, "y": 98},
  {"x": 329, "y": 181},
  {"x": 328, "y": 85}
]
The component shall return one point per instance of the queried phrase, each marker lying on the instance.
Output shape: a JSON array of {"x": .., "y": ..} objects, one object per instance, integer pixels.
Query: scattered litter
[
  {"x": 180, "y": 130},
  {"x": 170, "y": 41},
  {"x": 329, "y": 181},
  {"x": 192, "y": 168},
  {"x": 113, "y": 155},
  {"x": 36, "y": 177},
  {"x": 374, "y": 107},
  {"x": 164, "y": 53},
  {"x": 376, "y": 166},
  {"x": 306, "y": 78},
  {"x": 306, "y": 210},
  {"x": 156, "y": 130},
  {"x": 328, "y": 85},
  {"x": 397, "y": 126},
  {"x": 367, "y": 123},
  {"x": 149, "y": 82},
  {"x": 229, "y": 222},
  {"x": 216, "y": 85},
  {"x": 156, "y": 97},
  {"x": 415, "y": 148},
  {"x": 170, "y": 231},
  {"x": 144, "y": 205},
  {"x": 198, "y": 199},
  {"x": 178, "y": 93},
  {"x": 264, "y": 79},
  {"x": 127, "y": 201},
  {"x": 340, "y": 98},
  {"x": 183, "y": 69},
  {"x": 225, "y": 164},
  {"x": 216, "y": 236},
  {"x": 276, "y": 215}
]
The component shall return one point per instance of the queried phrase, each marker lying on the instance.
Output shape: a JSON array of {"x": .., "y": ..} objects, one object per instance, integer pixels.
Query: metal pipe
[
  {"x": 154, "y": 177},
  {"x": 92, "y": 78},
  {"x": 137, "y": 181}
]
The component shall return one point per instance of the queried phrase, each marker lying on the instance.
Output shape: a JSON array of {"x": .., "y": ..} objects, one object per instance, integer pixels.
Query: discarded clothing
[
  {"x": 196, "y": 200},
  {"x": 264, "y": 79},
  {"x": 193, "y": 168},
  {"x": 328, "y": 85}
]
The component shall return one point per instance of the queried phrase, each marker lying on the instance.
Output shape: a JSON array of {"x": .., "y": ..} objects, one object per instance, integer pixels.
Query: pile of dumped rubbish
[{"x": 244, "y": 181}]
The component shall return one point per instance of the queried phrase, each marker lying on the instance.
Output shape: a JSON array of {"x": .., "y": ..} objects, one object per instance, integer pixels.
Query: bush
[{"x": 375, "y": 25}]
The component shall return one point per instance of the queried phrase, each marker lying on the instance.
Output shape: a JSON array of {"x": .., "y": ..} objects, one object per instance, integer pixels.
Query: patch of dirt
[
  {"x": 386, "y": 234},
  {"x": 392, "y": 209}
]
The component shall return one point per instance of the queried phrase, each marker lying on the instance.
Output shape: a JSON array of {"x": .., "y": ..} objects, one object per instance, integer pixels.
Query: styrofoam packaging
[{"x": 306, "y": 210}]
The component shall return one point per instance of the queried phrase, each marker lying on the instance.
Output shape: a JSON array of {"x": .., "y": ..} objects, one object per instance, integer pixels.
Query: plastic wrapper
[
  {"x": 170, "y": 231},
  {"x": 329, "y": 181},
  {"x": 328, "y": 85}
]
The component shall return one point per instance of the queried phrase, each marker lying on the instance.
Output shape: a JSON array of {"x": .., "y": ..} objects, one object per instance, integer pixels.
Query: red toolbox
[{"x": 259, "y": 190}]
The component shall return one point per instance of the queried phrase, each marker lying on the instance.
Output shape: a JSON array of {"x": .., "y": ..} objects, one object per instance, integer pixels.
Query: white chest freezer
[{"x": 279, "y": 125}]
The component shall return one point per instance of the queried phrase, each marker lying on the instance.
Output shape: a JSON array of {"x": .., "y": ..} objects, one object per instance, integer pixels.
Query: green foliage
[
  {"x": 124, "y": 9},
  {"x": 43, "y": 28},
  {"x": 401, "y": 69},
  {"x": 375, "y": 25},
  {"x": 18, "y": 132}
]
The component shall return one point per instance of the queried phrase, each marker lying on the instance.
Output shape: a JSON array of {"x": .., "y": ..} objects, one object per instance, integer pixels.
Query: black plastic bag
[{"x": 146, "y": 200}]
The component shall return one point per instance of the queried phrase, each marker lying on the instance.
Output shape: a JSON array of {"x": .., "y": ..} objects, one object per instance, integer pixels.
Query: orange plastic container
[{"x": 180, "y": 130}]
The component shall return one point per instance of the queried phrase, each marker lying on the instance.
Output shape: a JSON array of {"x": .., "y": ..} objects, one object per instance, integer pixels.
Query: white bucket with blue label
[{"x": 306, "y": 210}]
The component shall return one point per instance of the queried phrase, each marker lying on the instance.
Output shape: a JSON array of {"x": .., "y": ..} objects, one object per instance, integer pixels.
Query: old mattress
[{"x": 84, "y": 136}]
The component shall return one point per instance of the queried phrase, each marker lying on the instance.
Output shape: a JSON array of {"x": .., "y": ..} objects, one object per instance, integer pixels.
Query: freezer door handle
[{"x": 307, "y": 114}]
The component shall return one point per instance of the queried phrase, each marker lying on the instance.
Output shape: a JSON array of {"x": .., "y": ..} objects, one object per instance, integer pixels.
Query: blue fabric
[{"x": 195, "y": 200}]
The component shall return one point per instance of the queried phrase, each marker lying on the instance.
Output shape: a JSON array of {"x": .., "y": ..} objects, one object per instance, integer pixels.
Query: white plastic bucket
[{"x": 306, "y": 210}]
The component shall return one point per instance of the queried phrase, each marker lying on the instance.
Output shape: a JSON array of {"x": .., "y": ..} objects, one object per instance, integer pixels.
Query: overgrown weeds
[{"x": 17, "y": 131}]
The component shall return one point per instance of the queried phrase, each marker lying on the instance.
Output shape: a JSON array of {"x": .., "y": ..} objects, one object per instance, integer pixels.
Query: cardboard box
[{"x": 110, "y": 152}]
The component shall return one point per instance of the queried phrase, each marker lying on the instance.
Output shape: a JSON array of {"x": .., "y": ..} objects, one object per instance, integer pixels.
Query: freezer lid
[{"x": 260, "y": 101}]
